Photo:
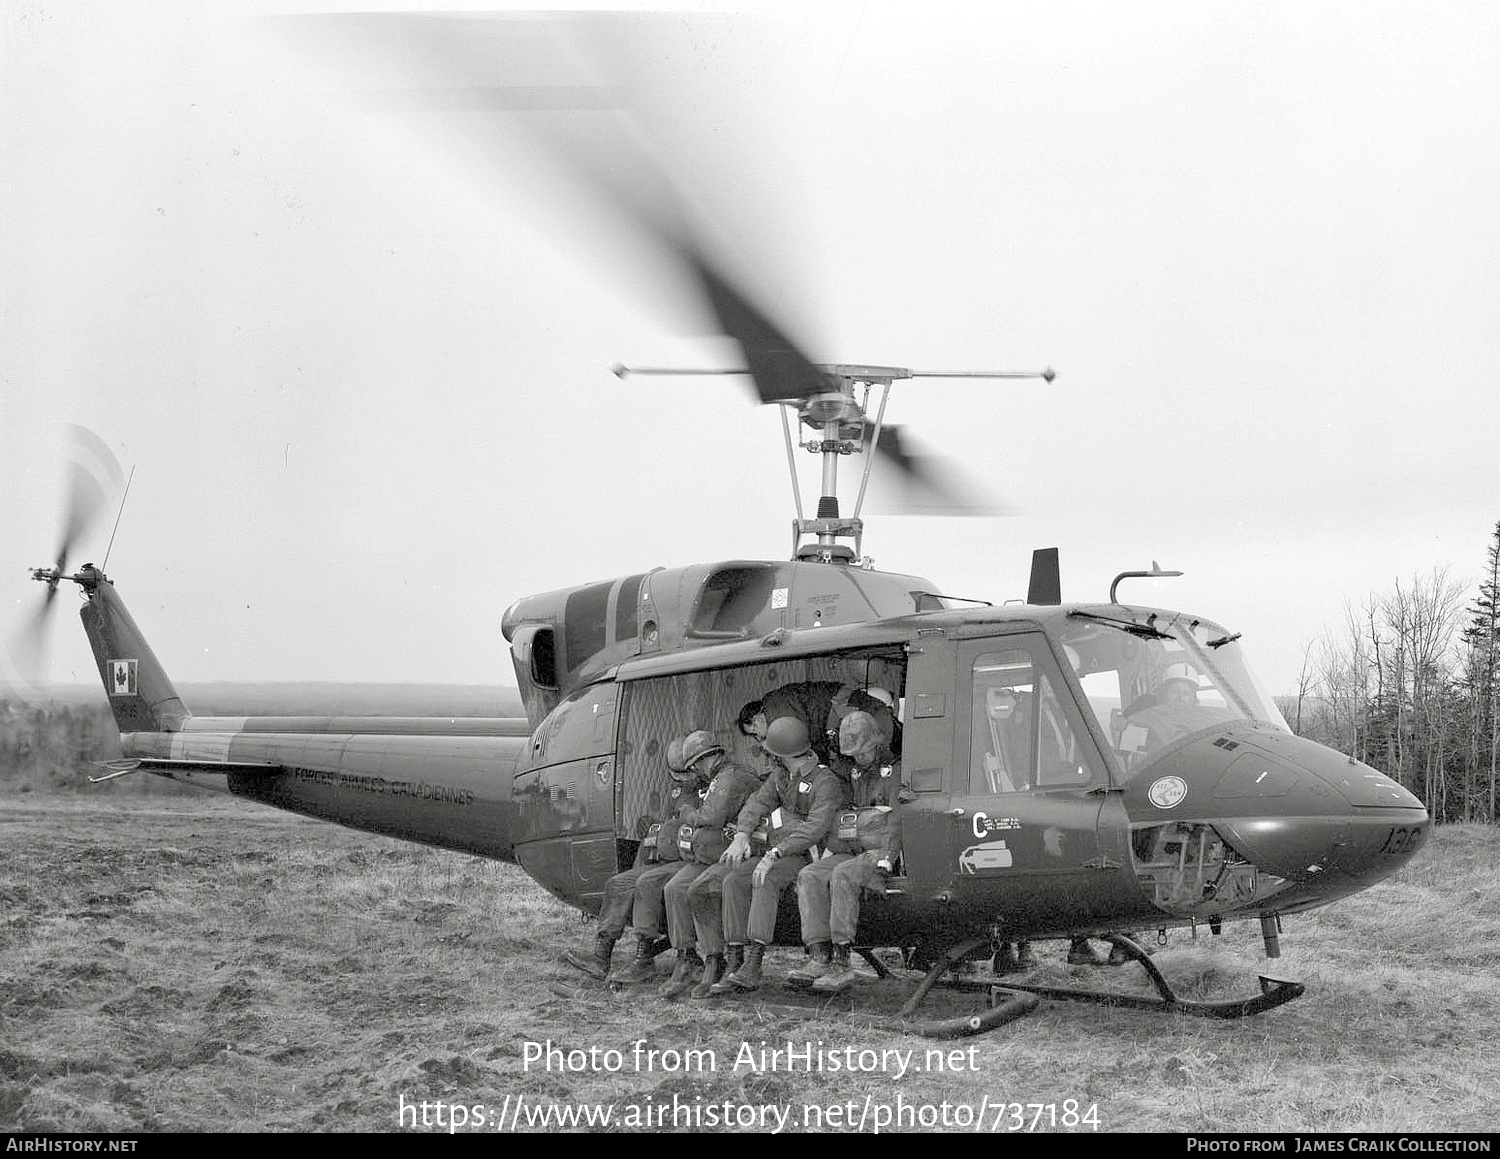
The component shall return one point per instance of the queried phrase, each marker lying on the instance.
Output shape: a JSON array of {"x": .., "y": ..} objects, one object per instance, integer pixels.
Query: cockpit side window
[{"x": 1023, "y": 737}]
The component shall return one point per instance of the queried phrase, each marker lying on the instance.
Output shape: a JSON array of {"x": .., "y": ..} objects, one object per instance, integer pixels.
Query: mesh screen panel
[{"x": 657, "y": 710}]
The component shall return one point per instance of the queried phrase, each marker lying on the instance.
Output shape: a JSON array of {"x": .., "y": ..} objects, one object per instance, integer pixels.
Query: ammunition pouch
[
  {"x": 777, "y": 824},
  {"x": 860, "y": 830},
  {"x": 650, "y": 844},
  {"x": 703, "y": 845}
]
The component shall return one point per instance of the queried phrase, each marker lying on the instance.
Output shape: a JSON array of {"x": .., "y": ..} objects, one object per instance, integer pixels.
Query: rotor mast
[
  {"x": 842, "y": 421},
  {"x": 842, "y": 427}
]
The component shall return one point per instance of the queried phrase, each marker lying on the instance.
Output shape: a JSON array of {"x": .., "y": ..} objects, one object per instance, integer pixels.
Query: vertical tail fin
[{"x": 140, "y": 693}]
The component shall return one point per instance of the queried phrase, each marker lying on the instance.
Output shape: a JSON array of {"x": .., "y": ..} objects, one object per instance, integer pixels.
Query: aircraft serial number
[{"x": 1402, "y": 841}]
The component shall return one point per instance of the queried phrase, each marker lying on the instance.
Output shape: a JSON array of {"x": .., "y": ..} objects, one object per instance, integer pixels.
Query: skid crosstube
[{"x": 1273, "y": 991}]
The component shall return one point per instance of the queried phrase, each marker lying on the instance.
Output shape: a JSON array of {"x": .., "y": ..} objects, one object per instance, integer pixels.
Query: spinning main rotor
[{"x": 839, "y": 413}]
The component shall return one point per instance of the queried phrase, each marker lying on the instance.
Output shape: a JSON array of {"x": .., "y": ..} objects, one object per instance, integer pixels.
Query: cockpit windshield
[{"x": 1153, "y": 677}]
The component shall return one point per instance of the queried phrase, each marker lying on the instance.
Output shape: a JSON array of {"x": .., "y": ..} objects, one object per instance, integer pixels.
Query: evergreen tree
[{"x": 1481, "y": 670}]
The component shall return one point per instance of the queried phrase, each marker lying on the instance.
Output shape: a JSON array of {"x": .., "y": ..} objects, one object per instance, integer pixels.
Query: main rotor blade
[
  {"x": 928, "y": 484},
  {"x": 602, "y": 115}
]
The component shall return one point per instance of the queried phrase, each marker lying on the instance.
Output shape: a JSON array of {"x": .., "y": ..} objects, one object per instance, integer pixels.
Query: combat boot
[
  {"x": 1013, "y": 958},
  {"x": 595, "y": 963},
  {"x": 840, "y": 975},
  {"x": 734, "y": 958},
  {"x": 747, "y": 977},
  {"x": 643, "y": 967},
  {"x": 820, "y": 955},
  {"x": 683, "y": 976},
  {"x": 713, "y": 970}
]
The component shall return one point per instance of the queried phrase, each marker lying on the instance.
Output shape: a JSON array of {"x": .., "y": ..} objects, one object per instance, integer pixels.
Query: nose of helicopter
[{"x": 1300, "y": 824}]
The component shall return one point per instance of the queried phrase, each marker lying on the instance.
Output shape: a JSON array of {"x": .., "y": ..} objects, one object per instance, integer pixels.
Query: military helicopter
[{"x": 1059, "y": 792}]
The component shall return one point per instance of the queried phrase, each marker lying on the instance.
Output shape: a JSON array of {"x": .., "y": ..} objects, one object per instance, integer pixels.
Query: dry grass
[{"x": 201, "y": 964}]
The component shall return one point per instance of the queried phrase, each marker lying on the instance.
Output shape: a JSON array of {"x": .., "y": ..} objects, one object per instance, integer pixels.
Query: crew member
[
  {"x": 875, "y": 701},
  {"x": 820, "y": 705},
  {"x": 1172, "y": 711},
  {"x": 863, "y": 849},
  {"x": 809, "y": 701},
  {"x": 701, "y": 839},
  {"x": 656, "y": 860},
  {"x": 735, "y": 902}
]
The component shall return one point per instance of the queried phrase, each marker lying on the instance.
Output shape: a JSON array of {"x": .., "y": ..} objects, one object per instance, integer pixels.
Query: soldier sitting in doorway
[{"x": 863, "y": 850}]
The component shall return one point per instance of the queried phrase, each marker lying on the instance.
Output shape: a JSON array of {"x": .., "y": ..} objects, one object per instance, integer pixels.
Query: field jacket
[
  {"x": 873, "y": 798},
  {"x": 705, "y": 821},
  {"x": 809, "y": 803}
]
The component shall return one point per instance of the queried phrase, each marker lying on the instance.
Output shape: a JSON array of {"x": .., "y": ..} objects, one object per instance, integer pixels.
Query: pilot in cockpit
[{"x": 1172, "y": 711}]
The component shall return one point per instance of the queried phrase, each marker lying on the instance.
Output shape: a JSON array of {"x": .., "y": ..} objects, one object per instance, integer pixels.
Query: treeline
[
  {"x": 56, "y": 743},
  {"x": 1408, "y": 683},
  {"x": 54, "y": 746}
]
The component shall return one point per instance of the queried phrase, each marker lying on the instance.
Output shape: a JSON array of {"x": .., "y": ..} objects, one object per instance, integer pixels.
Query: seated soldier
[
  {"x": 735, "y": 902},
  {"x": 700, "y": 839},
  {"x": 864, "y": 848},
  {"x": 875, "y": 701},
  {"x": 703, "y": 759}
]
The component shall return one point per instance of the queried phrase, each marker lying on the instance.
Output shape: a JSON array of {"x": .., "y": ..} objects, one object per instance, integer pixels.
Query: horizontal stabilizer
[{"x": 163, "y": 767}]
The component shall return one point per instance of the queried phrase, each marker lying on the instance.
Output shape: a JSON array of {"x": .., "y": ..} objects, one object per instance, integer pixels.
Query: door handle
[{"x": 958, "y": 812}]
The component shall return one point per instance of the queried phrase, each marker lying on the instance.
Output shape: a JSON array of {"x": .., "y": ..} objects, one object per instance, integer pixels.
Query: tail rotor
[{"x": 94, "y": 477}]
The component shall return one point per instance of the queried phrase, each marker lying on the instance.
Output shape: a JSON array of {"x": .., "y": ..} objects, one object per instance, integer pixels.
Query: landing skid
[
  {"x": 1004, "y": 1006},
  {"x": 1005, "y": 1001},
  {"x": 1273, "y": 992}
]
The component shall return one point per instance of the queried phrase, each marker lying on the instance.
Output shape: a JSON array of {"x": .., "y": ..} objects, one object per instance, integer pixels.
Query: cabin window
[
  {"x": 1126, "y": 661},
  {"x": 1023, "y": 735},
  {"x": 543, "y": 659},
  {"x": 584, "y": 618},
  {"x": 627, "y": 606},
  {"x": 731, "y": 599}
]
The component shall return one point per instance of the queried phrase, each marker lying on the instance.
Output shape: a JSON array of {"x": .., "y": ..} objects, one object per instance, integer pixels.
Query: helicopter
[{"x": 1056, "y": 793}]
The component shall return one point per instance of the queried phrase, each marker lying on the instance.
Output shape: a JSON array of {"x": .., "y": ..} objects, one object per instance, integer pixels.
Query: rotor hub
[{"x": 831, "y": 407}]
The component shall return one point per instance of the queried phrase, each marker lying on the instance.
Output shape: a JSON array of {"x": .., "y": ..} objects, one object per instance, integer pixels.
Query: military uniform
[
  {"x": 701, "y": 829},
  {"x": 831, "y": 885},
  {"x": 811, "y": 702},
  {"x": 864, "y": 844},
  {"x": 656, "y": 861},
  {"x": 727, "y": 907}
]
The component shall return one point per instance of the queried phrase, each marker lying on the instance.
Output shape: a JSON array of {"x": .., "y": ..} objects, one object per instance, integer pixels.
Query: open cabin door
[{"x": 1013, "y": 825}]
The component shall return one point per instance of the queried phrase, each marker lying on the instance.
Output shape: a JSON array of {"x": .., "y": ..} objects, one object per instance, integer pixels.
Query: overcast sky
[{"x": 360, "y": 361}]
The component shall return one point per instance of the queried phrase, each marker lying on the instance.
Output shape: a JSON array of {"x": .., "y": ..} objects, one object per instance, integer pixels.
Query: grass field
[{"x": 203, "y": 964}]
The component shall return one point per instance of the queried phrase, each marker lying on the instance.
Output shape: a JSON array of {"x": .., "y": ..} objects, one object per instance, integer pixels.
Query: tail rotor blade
[{"x": 94, "y": 474}]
